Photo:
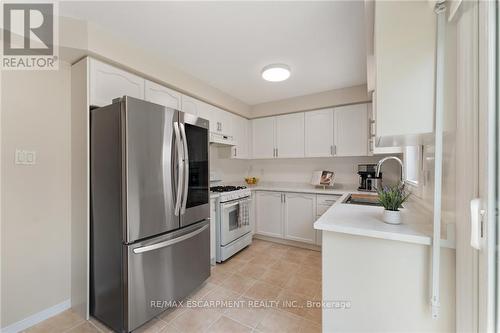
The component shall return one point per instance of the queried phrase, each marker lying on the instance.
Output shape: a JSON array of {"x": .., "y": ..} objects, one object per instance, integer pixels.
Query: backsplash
[{"x": 298, "y": 170}]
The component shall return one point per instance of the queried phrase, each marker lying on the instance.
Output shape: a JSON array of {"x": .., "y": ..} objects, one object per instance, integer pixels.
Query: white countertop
[{"x": 360, "y": 220}]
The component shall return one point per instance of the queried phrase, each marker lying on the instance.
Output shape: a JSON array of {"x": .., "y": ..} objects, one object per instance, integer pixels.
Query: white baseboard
[{"x": 37, "y": 317}]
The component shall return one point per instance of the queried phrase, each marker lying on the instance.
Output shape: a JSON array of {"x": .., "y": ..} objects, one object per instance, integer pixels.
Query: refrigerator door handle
[
  {"x": 186, "y": 168},
  {"x": 169, "y": 242},
  {"x": 180, "y": 166}
]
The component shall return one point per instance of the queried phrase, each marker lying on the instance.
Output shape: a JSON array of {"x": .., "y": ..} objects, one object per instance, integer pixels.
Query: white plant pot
[{"x": 391, "y": 216}]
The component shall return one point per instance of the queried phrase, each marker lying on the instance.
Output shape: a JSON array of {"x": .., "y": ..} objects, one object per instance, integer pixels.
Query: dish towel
[{"x": 244, "y": 213}]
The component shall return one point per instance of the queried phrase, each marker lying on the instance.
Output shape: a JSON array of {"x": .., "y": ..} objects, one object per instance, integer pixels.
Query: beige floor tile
[
  {"x": 308, "y": 272},
  {"x": 309, "y": 327},
  {"x": 248, "y": 314},
  {"x": 245, "y": 255},
  {"x": 59, "y": 323},
  {"x": 238, "y": 283},
  {"x": 153, "y": 326},
  {"x": 254, "y": 271},
  {"x": 294, "y": 257},
  {"x": 259, "y": 245},
  {"x": 227, "y": 325},
  {"x": 306, "y": 287},
  {"x": 219, "y": 295},
  {"x": 170, "y": 314},
  {"x": 218, "y": 276},
  {"x": 263, "y": 291},
  {"x": 286, "y": 266},
  {"x": 232, "y": 265},
  {"x": 169, "y": 329},
  {"x": 202, "y": 291},
  {"x": 279, "y": 321},
  {"x": 85, "y": 327},
  {"x": 100, "y": 326},
  {"x": 266, "y": 259},
  {"x": 293, "y": 303},
  {"x": 275, "y": 277},
  {"x": 196, "y": 320}
]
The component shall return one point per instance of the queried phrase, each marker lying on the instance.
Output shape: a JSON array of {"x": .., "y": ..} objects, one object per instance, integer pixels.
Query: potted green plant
[{"x": 392, "y": 198}]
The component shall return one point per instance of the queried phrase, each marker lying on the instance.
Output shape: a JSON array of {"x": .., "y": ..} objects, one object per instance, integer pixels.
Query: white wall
[
  {"x": 35, "y": 230},
  {"x": 321, "y": 100},
  {"x": 297, "y": 170}
]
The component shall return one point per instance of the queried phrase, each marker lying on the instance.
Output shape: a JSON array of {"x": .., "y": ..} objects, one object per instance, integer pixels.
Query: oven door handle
[{"x": 239, "y": 201}]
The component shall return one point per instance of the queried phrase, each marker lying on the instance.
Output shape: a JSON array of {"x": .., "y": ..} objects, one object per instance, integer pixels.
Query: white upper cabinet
[
  {"x": 404, "y": 42},
  {"x": 290, "y": 135},
  {"x": 269, "y": 213},
  {"x": 263, "y": 138},
  {"x": 162, "y": 95},
  {"x": 351, "y": 130},
  {"x": 299, "y": 217},
  {"x": 108, "y": 82},
  {"x": 191, "y": 105},
  {"x": 241, "y": 130},
  {"x": 222, "y": 121},
  {"x": 319, "y": 133}
]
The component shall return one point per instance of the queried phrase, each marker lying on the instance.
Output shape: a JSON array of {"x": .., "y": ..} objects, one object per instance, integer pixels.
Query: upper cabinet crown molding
[
  {"x": 162, "y": 95},
  {"x": 108, "y": 82}
]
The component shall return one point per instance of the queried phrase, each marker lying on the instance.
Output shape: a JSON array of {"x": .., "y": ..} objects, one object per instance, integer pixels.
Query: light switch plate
[{"x": 25, "y": 157}]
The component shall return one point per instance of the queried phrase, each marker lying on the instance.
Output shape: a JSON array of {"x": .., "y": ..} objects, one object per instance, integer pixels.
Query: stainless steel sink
[{"x": 362, "y": 199}]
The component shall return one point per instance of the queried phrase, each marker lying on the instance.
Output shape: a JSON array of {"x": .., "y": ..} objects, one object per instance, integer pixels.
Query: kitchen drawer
[{"x": 323, "y": 202}]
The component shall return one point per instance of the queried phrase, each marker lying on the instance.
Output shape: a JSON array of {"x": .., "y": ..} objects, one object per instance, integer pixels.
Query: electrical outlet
[{"x": 25, "y": 157}]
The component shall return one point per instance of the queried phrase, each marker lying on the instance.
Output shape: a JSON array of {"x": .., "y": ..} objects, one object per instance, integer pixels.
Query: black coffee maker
[{"x": 368, "y": 181}]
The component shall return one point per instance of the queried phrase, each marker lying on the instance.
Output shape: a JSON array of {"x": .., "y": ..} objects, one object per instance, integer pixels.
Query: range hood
[{"x": 222, "y": 140}]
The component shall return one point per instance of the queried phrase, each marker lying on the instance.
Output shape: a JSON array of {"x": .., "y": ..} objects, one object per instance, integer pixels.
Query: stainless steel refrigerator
[{"x": 150, "y": 238}]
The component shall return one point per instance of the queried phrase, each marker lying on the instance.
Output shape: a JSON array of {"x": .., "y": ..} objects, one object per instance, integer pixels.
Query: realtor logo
[{"x": 29, "y": 36}]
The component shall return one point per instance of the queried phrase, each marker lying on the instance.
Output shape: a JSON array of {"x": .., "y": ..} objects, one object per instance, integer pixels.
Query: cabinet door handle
[
  {"x": 276, "y": 152},
  {"x": 235, "y": 151},
  {"x": 331, "y": 150},
  {"x": 334, "y": 150}
]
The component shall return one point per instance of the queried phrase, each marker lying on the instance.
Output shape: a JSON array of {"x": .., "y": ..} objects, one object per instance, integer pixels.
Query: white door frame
[{"x": 487, "y": 162}]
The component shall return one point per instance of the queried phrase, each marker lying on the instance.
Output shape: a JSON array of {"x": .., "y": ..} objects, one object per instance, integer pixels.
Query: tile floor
[{"x": 271, "y": 284}]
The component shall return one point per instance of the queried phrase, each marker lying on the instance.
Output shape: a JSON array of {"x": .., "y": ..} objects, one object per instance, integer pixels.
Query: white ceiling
[{"x": 226, "y": 44}]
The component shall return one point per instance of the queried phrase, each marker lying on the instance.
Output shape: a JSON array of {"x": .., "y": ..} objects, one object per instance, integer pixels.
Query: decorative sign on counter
[{"x": 323, "y": 178}]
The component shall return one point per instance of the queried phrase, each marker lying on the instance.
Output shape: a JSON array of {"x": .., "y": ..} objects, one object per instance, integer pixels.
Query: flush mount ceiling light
[{"x": 276, "y": 72}]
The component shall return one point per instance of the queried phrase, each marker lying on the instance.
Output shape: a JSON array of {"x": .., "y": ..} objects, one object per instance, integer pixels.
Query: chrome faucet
[{"x": 379, "y": 165}]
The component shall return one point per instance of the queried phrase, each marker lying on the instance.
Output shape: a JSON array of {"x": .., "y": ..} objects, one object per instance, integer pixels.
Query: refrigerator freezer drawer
[{"x": 165, "y": 268}]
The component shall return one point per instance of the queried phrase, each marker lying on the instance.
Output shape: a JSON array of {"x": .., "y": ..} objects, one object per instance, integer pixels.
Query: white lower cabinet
[
  {"x": 269, "y": 213},
  {"x": 286, "y": 215},
  {"x": 300, "y": 214}
]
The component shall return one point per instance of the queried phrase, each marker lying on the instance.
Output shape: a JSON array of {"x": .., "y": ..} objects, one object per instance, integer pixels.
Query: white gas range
[{"x": 234, "y": 231}]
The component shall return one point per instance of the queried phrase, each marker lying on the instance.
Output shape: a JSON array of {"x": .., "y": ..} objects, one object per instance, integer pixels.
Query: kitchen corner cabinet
[
  {"x": 108, "y": 82},
  {"x": 269, "y": 213},
  {"x": 319, "y": 133},
  {"x": 299, "y": 217},
  {"x": 158, "y": 94},
  {"x": 241, "y": 134},
  {"x": 350, "y": 130}
]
